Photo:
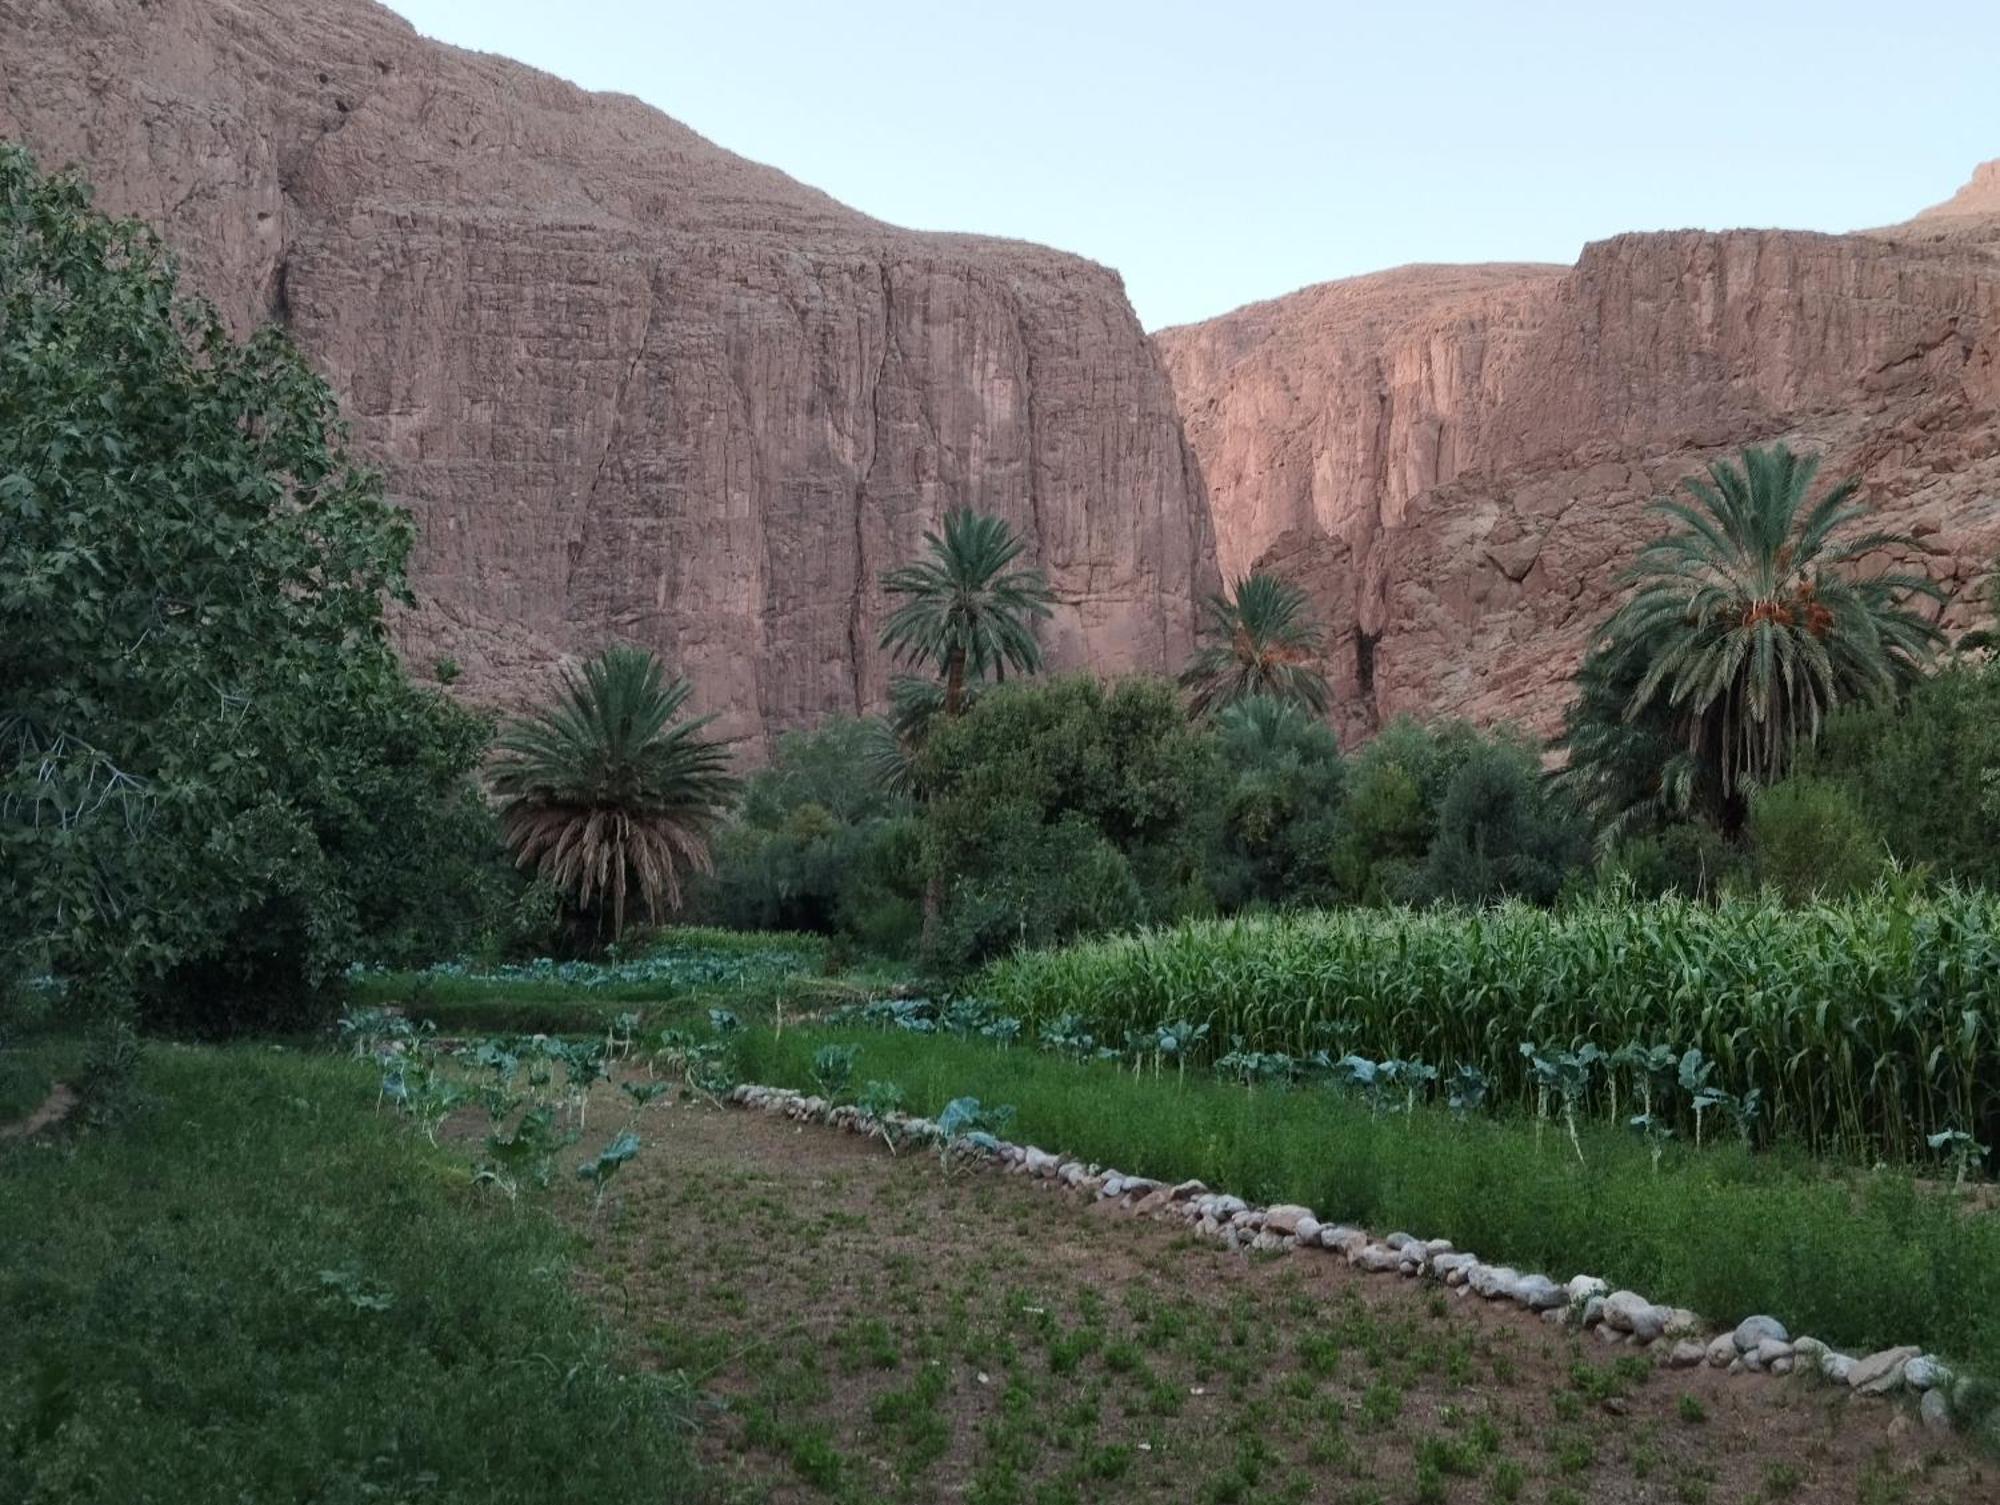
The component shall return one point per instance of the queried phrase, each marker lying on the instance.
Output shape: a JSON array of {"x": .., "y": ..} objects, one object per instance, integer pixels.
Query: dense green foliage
[
  {"x": 1862, "y": 1027},
  {"x": 1926, "y": 773},
  {"x": 609, "y": 793},
  {"x": 1260, "y": 639},
  {"x": 1863, "y": 1261},
  {"x": 1811, "y": 842},
  {"x": 820, "y": 844},
  {"x": 257, "y": 1288},
  {"x": 1061, "y": 807},
  {"x": 217, "y": 788}
]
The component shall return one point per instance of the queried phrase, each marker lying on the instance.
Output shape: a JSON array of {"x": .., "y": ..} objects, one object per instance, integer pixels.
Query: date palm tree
[
  {"x": 966, "y": 612},
  {"x": 969, "y": 615},
  {"x": 1751, "y": 620},
  {"x": 1258, "y": 639},
  {"x": 608, "y": 793}
]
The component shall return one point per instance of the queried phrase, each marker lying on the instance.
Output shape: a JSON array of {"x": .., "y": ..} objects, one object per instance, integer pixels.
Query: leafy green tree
[
  {"x": 1258, "y": 639},
  {"x": 819, "y": 844},
  {"x": 1117, "y": 763},
  {"x": 608, "y": 793},
  {"x": 216, "y": 782},
  {"x": 1283, "y": 808},
  {"x": 1751, "y": 622}
]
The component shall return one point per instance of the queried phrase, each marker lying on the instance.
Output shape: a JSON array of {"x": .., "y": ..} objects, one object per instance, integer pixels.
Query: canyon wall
[
  {"x": 1456, "y": 461},
  {"x": 632, "y": 386}
]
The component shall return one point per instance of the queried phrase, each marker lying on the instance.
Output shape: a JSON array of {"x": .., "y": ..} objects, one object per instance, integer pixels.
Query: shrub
[
  {"x": 1688, "y": 860},
  {"x": 1503, "y": 831},
  {"x": 1811, "y": 841},
  {"x": 1922, "y": 772}
]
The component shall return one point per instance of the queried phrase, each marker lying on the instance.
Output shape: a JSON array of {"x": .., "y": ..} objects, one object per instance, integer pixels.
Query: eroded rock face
[
  {"x": 1456, "y": 460},
  {"x": 631, "y": 385}
]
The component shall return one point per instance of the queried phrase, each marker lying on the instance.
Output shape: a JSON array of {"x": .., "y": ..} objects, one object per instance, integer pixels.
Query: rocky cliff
[
  {"x": 1456, "y": 460},
  {"x": 631, "y": 385}
]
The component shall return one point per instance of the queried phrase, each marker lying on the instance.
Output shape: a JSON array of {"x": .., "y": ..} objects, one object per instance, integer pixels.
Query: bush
[
  {"x": 1922, "y": 773},
  {"x": 1688, "y": 860},
  {"x": 1503, "y": 831},
  {"x": 819, "y": 845},
  {"x": 1811, "y": 841},
  {"x": 1036, "y": 885}
]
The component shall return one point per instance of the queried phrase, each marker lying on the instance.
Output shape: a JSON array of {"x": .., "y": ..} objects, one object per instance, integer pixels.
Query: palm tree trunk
[{"x": 954, "y": 705}]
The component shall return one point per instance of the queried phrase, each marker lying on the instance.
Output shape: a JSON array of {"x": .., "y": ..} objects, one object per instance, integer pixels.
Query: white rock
[
  {"x": 1754, "y": 1330},
  {"x": 1270, "y": 1240},
  {"x": 1455, "y": 1278},
  {"x": 1307, "y": 1231},
  {"x": 1934, "y": 1408},
  {"x": 1629, "y": 1312},
  {"x": 1436, "y": 1246},
  {"x": 1807, "y": 1350},
  {"x": 1397, "y": 1240},
  {"x": 1593, "y": 1311},
  {"x": 1722, "y": 1350},
  {"x": 1493, "y": 1281},
  {"x": 1188, "y": 1189},
  {"x": 1686, "y": 1355},
  {"x": 1682, "y": 1323},
  {"x": 1540, "y": 1294},
  {"x": 1582, "y": 1287},
  {"x": 1377, "y": 1259},
  {"x": 1770, "y": 1351},
  {"x": 1836, "y": 1366},
  {"x": 1284, "y": 1218},
  {"x": 1924, "y": 1372},
  {"x": 1781, "y": 1366},
  {"x": 1444, "y": 1264},
  {"x": 1880, "y": 1373}
]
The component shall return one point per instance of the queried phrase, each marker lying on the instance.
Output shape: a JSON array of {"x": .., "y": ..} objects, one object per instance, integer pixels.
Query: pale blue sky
[{"x": 1220, "y": 153}]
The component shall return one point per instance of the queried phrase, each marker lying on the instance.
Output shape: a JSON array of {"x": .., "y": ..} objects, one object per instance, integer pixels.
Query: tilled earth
[{"x": 866, "y": 1327}]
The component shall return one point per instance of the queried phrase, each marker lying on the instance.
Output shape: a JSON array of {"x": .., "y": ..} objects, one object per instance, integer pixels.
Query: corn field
[{"x": 1861, "y": 1028}]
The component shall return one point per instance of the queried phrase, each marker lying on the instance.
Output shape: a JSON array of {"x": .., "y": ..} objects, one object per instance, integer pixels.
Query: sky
[{"x": 1219, "y": 153}]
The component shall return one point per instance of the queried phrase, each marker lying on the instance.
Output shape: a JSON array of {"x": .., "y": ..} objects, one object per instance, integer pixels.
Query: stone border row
[{"x": 1674, "y": 1335}]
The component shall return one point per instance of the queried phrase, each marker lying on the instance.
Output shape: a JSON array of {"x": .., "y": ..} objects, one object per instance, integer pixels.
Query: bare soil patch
[{"x": 868, "y": 1328}]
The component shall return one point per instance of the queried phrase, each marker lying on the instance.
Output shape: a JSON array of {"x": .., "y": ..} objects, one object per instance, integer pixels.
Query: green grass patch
[
  {"x": 1859, "y": 1260},
  {"x": 29, "y": 1068},
  {"x": 255, "y": 1287}
]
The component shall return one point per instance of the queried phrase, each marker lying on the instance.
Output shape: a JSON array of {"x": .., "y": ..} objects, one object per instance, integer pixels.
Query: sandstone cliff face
[
  {"x": 632, "y": 386},
  {"x": 1456, "y": 460}
]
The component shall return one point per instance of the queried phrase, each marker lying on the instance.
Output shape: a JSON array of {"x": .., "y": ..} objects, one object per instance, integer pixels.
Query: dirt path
[
  {"x": 869, "y": 1329},
  {"x": 54, "y": 1109}
]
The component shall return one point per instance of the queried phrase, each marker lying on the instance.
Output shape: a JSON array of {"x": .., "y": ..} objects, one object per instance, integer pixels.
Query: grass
[
  {"x": 1861, "y": 1261},
  {"x": 255, "y": 1287},
  {"x": 29, "y": 1068}
]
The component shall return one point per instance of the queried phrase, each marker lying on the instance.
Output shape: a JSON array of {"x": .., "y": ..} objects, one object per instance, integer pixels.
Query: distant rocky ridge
[
  {"x": 1455, "y": 460},
  {"x": 632, "y": 386}
]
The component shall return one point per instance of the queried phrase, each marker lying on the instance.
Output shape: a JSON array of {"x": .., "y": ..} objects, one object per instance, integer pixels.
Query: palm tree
[
  {"x": 606, "y": 794},
  {"x": 1259, "y": 639},
  {"x": 1750, "y": 623},
  {"x": 965, "y": 612},
  {"x": 968, "y": 614}
]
